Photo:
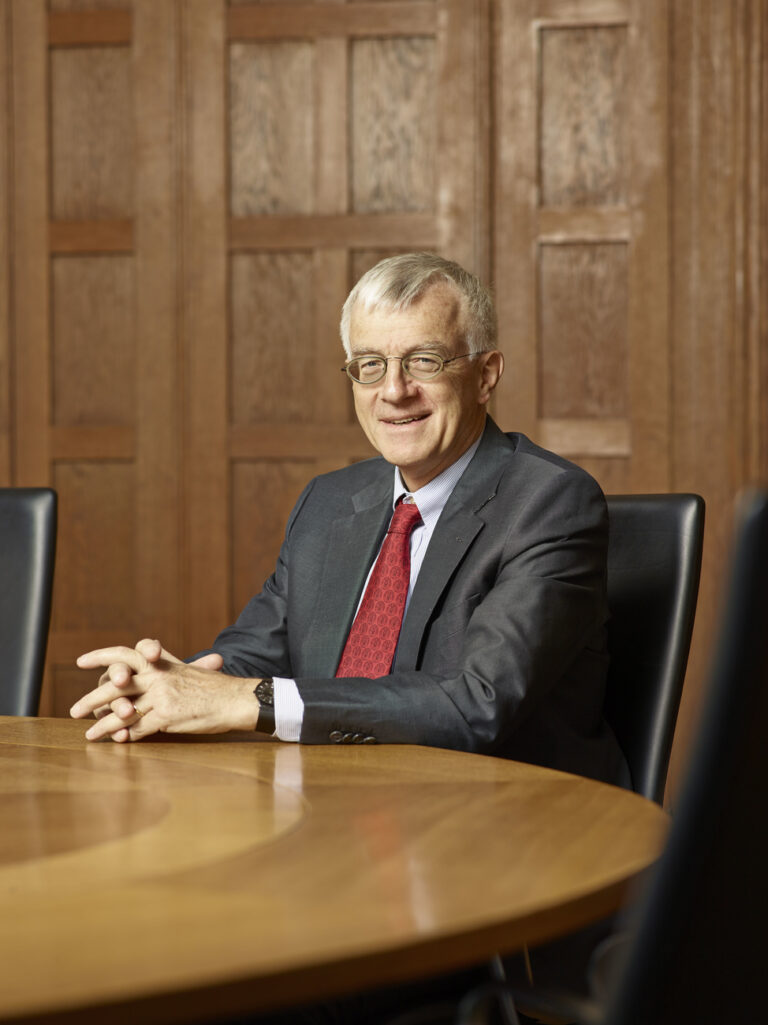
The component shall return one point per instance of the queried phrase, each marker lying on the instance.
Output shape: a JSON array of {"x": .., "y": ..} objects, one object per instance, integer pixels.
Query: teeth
[{"x": 409, "y": 420}]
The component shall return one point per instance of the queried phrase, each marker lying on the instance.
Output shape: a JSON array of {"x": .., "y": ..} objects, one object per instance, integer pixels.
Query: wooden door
[{"x": 581, "y": 253}]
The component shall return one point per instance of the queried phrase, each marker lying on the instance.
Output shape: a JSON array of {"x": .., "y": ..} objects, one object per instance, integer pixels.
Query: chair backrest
[
  {"x": 654, "y": 561},
  {"x": 27, "y": 549},
  {"x": 698, "y": 953}
]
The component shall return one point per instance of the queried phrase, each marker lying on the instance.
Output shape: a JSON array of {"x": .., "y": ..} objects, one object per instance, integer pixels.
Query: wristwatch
[{"x": 265, "y": 695}]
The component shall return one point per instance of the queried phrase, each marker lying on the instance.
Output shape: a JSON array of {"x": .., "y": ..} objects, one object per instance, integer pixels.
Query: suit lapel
[
  {"x": 457, "y": 528},
  {"x": 352, "y": 545}
]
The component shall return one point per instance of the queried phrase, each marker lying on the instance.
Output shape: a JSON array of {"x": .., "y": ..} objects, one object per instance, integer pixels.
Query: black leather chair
[
  {"x": 654, "y": 562},
  {"x": 27, "y": 549},
  {"x": 695, "y": 950}
]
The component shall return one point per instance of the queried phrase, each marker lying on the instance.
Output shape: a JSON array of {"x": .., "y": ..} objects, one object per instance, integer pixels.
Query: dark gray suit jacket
[{"x": 503, "y": 647}]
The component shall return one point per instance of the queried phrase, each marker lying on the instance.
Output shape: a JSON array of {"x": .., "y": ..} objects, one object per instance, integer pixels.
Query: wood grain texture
[
  {"x": 5, "y": 247},
  {"x": 272, "y": 366},
  {"x": 583, "y": 116},
  {"x": 31, "y": 277},
  {"x": 583, "y": 330},
  {"x": 91, "y": 133},
  {"x": 159, "y": 853},
  {"x": 159, "y": 366},
  {"x": 711, "y": 308},
  {"x": 103, "y": 236},
  {"x": 93, "y": 346},
  {"x": 515, "y": 212},
  {"x": 205, "y": 525},
  {"x": 393, "y": 100},
  {"x": 271, "y": 128},
  {"x": 464, "y": 115},
  {"x": 300, "y": 20},
  {"x": 402, "y": 230},
  {"x": 84, "y": 25},
  {"x": 95, "y": 567},
  {"x": 258, "y": 526}
]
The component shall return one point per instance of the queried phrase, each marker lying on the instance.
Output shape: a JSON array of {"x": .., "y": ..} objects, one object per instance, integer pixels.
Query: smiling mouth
[{"x": 405, "y": 420}]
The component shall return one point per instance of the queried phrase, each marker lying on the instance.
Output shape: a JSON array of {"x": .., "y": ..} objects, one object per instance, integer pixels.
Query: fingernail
[{"x": 75, "y": 710}]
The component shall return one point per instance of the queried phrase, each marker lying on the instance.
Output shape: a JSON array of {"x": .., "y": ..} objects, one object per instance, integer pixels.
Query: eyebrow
[{"x": 439, "y": 348}]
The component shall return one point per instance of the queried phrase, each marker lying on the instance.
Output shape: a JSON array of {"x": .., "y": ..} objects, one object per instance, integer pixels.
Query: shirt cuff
[{"x": 289, "y": 710}]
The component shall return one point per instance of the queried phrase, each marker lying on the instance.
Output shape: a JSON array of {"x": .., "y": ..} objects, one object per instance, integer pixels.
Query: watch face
[{"x": 265, "y": 692}]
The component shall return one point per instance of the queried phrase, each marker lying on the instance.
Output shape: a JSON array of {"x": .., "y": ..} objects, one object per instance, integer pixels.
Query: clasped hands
[{"x": 146, "y": 690}]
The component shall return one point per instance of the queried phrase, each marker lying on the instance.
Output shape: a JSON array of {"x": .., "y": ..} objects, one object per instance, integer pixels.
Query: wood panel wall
[{"x": 188, "y": 188}]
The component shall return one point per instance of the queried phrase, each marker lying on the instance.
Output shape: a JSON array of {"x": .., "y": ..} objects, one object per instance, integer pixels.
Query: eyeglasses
[{"x": 422, "y": 366}]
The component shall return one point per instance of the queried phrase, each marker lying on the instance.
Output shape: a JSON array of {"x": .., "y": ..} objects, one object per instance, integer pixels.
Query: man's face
[{"x": 422, "y": 426}]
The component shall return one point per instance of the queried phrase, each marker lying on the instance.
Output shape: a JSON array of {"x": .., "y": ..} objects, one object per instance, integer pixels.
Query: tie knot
[{"x": 406, "y": 517}]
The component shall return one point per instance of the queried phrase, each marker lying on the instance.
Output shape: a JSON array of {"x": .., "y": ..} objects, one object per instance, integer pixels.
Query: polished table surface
[{"x": 177, "y": 878}]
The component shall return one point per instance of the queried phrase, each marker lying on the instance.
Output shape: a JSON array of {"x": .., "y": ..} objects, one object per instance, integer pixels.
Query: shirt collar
[{"x": 432, "y": 498}]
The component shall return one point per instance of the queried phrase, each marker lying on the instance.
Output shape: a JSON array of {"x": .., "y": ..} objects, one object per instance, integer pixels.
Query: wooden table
[{"x": 169, "y": 880}]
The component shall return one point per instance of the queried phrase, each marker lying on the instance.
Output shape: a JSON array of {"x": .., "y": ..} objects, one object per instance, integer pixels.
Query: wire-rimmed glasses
[{"x": 421, "y": 366}]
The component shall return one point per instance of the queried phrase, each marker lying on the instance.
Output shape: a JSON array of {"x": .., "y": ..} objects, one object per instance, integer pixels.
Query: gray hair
[{"x": 398, "y": 282}]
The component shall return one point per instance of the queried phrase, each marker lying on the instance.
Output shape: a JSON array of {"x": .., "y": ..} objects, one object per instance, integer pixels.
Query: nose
[{"x": 396, "y": 383}]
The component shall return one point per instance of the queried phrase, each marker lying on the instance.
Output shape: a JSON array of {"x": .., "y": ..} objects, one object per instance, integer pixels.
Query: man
[{"x": 498, "y": 646}]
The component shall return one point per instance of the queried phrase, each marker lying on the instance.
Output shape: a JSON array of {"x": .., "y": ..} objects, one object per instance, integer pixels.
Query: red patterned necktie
[{"x": 371, "y": 644}]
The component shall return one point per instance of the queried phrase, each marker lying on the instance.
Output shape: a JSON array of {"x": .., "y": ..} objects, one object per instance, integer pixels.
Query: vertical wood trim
[
  {"x": 463, "y": 149},
  {"x": 5, "y": 244},
  {"x": 649, "y": 257},
  {"x": 204, "y": 332},
  {"x": 756, "y": 243},
  {"x": 331, "y": 264},
  {"x": 157, "y": 401},
  {"x": 515, "y": 202},
  {"x": 30, "y": 243}
]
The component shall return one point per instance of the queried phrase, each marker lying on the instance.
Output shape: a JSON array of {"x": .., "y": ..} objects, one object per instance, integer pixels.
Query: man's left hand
[{"x": 148, "y": 691}]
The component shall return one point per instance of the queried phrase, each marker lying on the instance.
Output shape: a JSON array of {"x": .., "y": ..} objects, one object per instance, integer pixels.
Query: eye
[{"x": 424, "y": 363}]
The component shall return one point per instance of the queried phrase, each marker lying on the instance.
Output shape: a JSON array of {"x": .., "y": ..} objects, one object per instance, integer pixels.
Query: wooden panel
[
  {"x": 272, "y": 366},
  {"x": 279, "y": 20},
  {"x": 89, "y": 5},
  {"x": 393, "y": 125},
  {"x": 271, "y": 128},
  {"x": 716, "y": 213},
  {"x": 31, "y": 313},
  {"x": 91, "y": 133},
  {"x": 583, "y": 116},
  {"x": 583, "y": 330},
  {"x": 259, "y": 526},
  {"x": 319, "y": 441},
  {"x": 91, "y": 236},
  {"x": 89, "y": 27},
  {"x": 95, "y": 567},
  {"x": 463, "y": 171},
  {"x": 578, "y": 438},
  {"x": 407, "y": 231},
  {"x": 159, "y": 368},
  {"x": 206, "y": 524},
  {"x": 93, "y": 340},
  {"x": 5, "y": 251}
]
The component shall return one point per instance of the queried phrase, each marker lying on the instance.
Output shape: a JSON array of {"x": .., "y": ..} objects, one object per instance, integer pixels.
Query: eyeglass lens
[{"x": 421, "y": 365}]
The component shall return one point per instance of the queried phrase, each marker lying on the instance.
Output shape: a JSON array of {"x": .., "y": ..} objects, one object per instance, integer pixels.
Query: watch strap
[{"x": 265, "y": 695}]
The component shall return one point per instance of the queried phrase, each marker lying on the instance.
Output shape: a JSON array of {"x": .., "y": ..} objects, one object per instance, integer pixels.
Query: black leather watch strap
[{"x": 264, "y": 691}]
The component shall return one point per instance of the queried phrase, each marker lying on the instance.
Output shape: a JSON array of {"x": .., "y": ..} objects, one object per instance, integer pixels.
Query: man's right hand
[{"x": 120, "y": 673}]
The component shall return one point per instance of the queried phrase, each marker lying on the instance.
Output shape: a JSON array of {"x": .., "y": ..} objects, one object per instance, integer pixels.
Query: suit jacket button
[
  {"x": 347, "y": 738},
  {"x": 336, "y": 737},
  {"x": 357, "y": 738},
  {"x": 369, "y": 740}
]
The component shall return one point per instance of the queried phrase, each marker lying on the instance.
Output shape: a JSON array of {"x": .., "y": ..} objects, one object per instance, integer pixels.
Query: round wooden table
[{"x": 183, "y": 877}]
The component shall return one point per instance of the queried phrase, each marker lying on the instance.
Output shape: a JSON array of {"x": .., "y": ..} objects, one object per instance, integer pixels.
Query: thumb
[{"x": 212, "y": 661}]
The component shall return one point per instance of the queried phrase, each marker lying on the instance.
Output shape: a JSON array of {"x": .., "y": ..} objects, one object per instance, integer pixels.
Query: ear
[{"x": 491, "y": 369}]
